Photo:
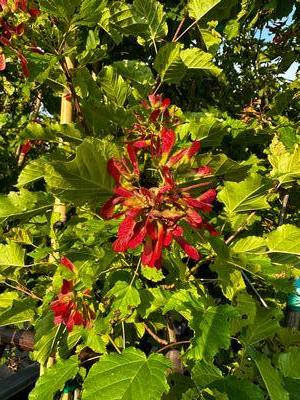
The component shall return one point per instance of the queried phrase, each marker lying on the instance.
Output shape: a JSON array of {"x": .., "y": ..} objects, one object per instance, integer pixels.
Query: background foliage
[{"x": 223, "y": 65}]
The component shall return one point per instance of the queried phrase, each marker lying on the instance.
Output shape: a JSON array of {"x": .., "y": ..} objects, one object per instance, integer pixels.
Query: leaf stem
[
  {"x": 114, "y": 344},
  {"x": 135, "y": 272},
  {"x": 123, "y": 335}
]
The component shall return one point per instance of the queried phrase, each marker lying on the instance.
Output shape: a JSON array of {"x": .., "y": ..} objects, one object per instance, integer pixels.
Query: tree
[{"x": 150, "y": 214}]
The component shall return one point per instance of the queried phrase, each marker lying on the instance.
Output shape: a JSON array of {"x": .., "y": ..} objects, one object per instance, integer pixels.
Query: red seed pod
[
  {"x": 2, "y": 62},
  {"x": 34, "y": 12}
]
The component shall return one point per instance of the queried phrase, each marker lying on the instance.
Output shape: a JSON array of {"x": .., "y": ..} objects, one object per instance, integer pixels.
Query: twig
[
  {"x": 264, "y": 304},
  {"x": 240, "y": 229},
  {"x": 24, "y": 290},
  {"x": 178, "y": 29},
  {"x": 173, "y": 345},
  {"x": 186, "y": 30},
  {"x": 283, "y": 209},
  {"x": 155, "y": 337}
]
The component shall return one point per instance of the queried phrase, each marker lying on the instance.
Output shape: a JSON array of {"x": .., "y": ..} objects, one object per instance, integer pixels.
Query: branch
[
  {"x": 178, "y": 29},
  {"x": 155, "y": 337},
  {"x": 173, "y": 345}
]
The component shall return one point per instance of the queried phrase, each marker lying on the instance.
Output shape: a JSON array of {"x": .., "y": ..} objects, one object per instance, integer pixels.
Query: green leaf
[
  {"x": 286, "y": 165},
  {"x": 126, "y": 298},
  {"x": 119, "y": 19},
  {"x": 212, "y": 40},
  {"x": 250, "y": 244},
  {"x": 52, "y": 132},
  {"x": 246, "y": 307},
  {"x": 237, "y": 389},
  {"x": 85, "y": 84},
  {"x": 151, "y": 12},
  {"x": 212, "y": 332},
  {"x": 11, "y": 255},
  {"x": 44, "y": 337},
  {"x": 223, "y": 166},
  {"x": 152, "y": 300},
  {"x": 232, "y": 29},
  {"x": 247, "y": 195},
  {"x": 198, "y": 8},
  {"x": 54, "y": 379},
  {"x": 152, "y": 274},
  {"x": 209, "y": 130},
  {"x": 89, "y": 13},
  {"x": 7, "y": 298},
  {"x": 186, "y": 302},
  {"x": 85, "y": 178},
  {"x": 205, "y": 373},
  {"x": 94, "y": 341},
  {"x": 114, "y": 86},
  {"x": 63, "y": 9},
  {"x": 20, "y": 311},
  {"x": 138, "y": 73},
  {"x": 285, "y": 239},
  {"x": 289, "y": 363},
  {"x": 293, "y": 387},
  {"x": 32, "y": 172},
  {"x": 169, "y": 64},
  {"x": 265, "y": 325},
  {"x": 230, "y": 279},
  {"x": 199, "y": 60},
  {"x": 127, "y": 376},
  {"x": 40, "y": 66},
  {"x": 23, "y": 205},
  {"x": 270, "y": 376}
]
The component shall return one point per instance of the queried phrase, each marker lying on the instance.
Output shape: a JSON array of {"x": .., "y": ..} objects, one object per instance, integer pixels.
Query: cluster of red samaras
[
  {"x": 9, "y": 31},
  {"x": 152, "y": 215},
  {"x": 66, "y": 308}
]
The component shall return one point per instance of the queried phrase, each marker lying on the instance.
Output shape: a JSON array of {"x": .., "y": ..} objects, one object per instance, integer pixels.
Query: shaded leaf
[
  {"x": 238, "y": 388},
  {"x": 289, "y": 363},
  {"x": 212, "y": 332},
  {"x": 205, "y": 373},
  {"x": 54, "y": 379},
  {"x": 20, "y": 311},
  {"x": 169, "y": 64},
  {"x": 270, "y": 376}
]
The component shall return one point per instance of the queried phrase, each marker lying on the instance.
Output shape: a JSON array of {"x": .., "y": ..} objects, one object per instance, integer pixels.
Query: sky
[{"x": 291, "y": 72}]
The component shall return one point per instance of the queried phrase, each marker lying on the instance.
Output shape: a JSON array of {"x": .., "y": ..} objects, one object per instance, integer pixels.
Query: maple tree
[{"x": 150, "y": 182}]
